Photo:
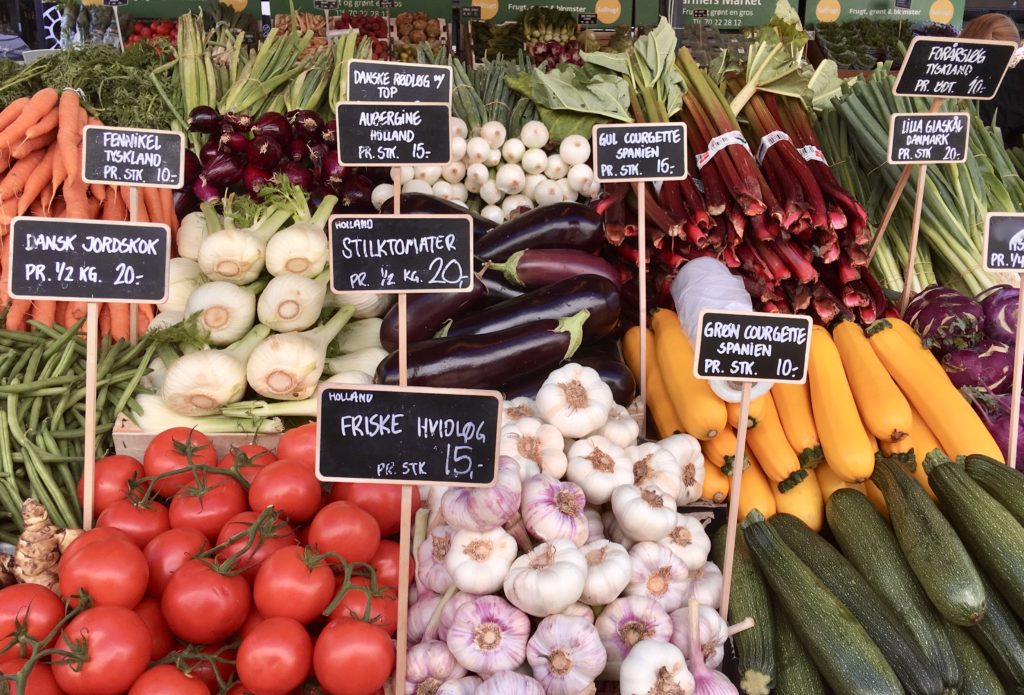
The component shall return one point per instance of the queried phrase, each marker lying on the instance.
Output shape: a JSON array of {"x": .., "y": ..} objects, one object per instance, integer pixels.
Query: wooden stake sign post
[
  {"x": 117, "y": 19},
  {"x": 89, "y": 261},
  {"x": 636, "y": 154},
  {"x": 749, "y": 348},
  {"x": 1004, "y": 251}
]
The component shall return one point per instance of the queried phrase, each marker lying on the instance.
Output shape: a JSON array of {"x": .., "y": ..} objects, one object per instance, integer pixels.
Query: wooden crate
[{"x": 129, "y": 440}]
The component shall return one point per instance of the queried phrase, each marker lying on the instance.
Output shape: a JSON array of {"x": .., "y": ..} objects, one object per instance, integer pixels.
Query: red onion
[
  {"x": 264, "y": 151},
  {"x": 193, "y": 167},
  {"x": 317, "y": 153},
  {"x": 354, "y": 193},
  {"x": 223, "y": 170},
  {"x": 209, "y": 151},
  {"x": 203, "y": 119},
  {"x": 330, "y": 132},
  {"x": 233, "y": 142},
  {"x": 298, "y": 175},
  {"x": 204, "y": 190},
  {"x": 308, "y": 125},
  {"x": 273, "y": 125},
  {"x": 333, "y": 172},
  {"x": 184, "y": 201},
  {"x": 239, "y": 121},
  {"x": 296, "y": 150},
  {"x": 317, "y": 195},
  {"x": 254, "y": 178}
]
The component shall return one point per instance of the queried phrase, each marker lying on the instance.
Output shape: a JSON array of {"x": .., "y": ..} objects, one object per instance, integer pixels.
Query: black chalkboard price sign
[
  {"x": 929, "y": 138},
  {"x": 407, "y": 435},
  {"x": 393, "y": 134},
  {"x": 133, "y": 156},
  {"x": 752, "y": 346},
  {"x": 649, "y": 152},
  {"x": 401, "y": 253},
  {"x": 372, "y": 80},
  {"x": 62, "y": 259},
  {"x": 1004, "y": 241},
  {"x": 951, "y": 68}
]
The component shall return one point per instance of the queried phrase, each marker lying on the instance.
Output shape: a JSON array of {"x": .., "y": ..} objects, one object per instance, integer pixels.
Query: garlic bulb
[
  {"x": 688, "y": 455},
  {"x": 653, "y": 465},
  {"x": 479, "y": 561},
  {"x": 644, "y": 513},
  {"x": 292, "y": 302},
  {"x": 548, "y": 579},
  {"x": 566, "y": 654},
  {"x": 485, "y": 508},
  {"x": 655, "y": 667},
  {"x": 422, "y": 627},
  {"x": 489, "y": 635},
  {"x": 688, "y": 541},
  {"x": 450, "y": 608},
  {"x": 621, "y": 429},
  {"x": 518, "y": 408},
  {"x": 626, "y": 622},
  {"x": 609, "y": 569},
  {"x": 534, "y": 445},
  {"x": 429, "y": 664},
  {"x": 554, "y": 509},
  {"x": 595, "y": 526},
  {"x": 614, "y": 532},
  {"x": 659, "y": 575},
  {"x": 706, "y": 585},
  {"x": 575, "y": 400},
  {"x": 579, "y": 610},
  {"x": 508, "y": 682},
  {"x": 431, "y": 571},
  {"x": 598, "y": 466},
  {"x": 466, "y": 685},
  {"x": 226, "y": 311},
  {"x": 713, "y": 632}
]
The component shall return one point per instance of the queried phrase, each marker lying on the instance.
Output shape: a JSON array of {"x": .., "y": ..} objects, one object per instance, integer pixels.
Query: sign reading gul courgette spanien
[
  {"x": 1004, "y": 241},
  {"x": 409, "y": 435},
  {"x": 393, "y": 134},
  {"x": 373, "y": 80},
  {"x": 929, "y": 138},
  {"x": 951, "y": 68},
  {"x": 753, "y": 346},
  {"x": 56, "y": 258},
  {"x": 133, "y": 156},
  {"x": 649, "y": 152}
]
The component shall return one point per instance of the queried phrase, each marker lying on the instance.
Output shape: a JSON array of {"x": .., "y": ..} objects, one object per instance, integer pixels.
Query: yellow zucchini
[
  {"x": 659, "y": 405},
  {"x": 829, "y": 482},
  {"x": 883, "y": 407},
  {"x": 716, "y": 485},
  {"x": 925, "y": 442},
  {"x": 793, "y": 404},
  {"x": 947, "y": 413},
  {"x": 804, "y": 501},
  {"x": 903, "y": 446},
  {"x": 701, "y": 412},
  {"x": 756, "y": 491},
  {"x": 844, "y": 440},
  {"x": 770, "y": 446},
  {"x": 754, "y": 413},
  {"x": 721, "y": 450},
  {"x": 917, "y": 348}
]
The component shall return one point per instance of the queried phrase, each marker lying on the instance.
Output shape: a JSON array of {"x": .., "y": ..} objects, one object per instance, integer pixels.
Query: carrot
[
  {"x": 8, "y": 209},
  {"x": 120, "y": 321},
  {"x": 58, "y": 315},
  {"x": 44, "y": 311},
  {"x": 27, "y": 147},
  {"x": 154, "y": 210},
  {"x": 146, "y": 314},
  {"x": 10, "y": 114},
  {"x": 45, "y": 125},
  {"x": 75, "y": 312},
  {"x": 141, "y": 212},
  {"x": 118, "y": 210},
  {"x": 167, "y": 205},
  {"x": 4, "y": 272},
  {"x": 104, "y": 319},
  {"x": 41, "y": 103},
  {"x": 18, "y": 315},
  {"x": 45, "y": 197},
  {"x": 38, "y": 179},
  {"x": 36, "y": 209},
  {"x": 59, "y": 173},
  {"x": 68, "y": 129},
  {"x": 58, "y": 208},
  {"x": 95, "y": 208},
  {"x": 14, "y": 182}
]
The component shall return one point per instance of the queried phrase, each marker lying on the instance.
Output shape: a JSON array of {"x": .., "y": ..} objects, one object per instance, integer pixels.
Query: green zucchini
[
  {"x": 978, "y": 676},
  {"x": 749, "y": 598},
  {"x": 1001, "y": 638},
  {"x": 915, "y": 671},
  {"x": 935, "y": 553},
  {"x": 991, "y": 534},
  {"x": 843, "y": 652},
  {"x": 796, "y": 674},
  {"x": 1000, "y": 481},
  {"x": 869, "y": 544}
]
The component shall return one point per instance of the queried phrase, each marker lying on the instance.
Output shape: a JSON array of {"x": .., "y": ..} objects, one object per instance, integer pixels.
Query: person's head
[{"x": 991, "y": 27}]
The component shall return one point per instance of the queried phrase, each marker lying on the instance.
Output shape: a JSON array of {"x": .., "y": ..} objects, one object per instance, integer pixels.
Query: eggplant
[
  {"x": 426, "y": 313},
  {"x": 489, "y": 360},
  {"x": 591, "y": 292},
  {"x": 562, "y": 225},
  {"x": 613, "y": 372},
  {"x": 498, "y": 289},
  {"x": 534, "y": 268},
  {"x": 424, "y": 204}
]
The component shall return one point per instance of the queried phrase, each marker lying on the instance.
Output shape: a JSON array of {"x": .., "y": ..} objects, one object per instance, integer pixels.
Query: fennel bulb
[
  {"x": 359, "y": 334},
  {"x": 364, "y": 304},
  {"x": 307, "y": 407},
  {"x": 153, "y": 415},
  {"x": 183, "y": 276},
  {"x": 194, "y": 229},
  {"x": 303, "y": 248},
  {"x": 292, "y": 302},
  {"x": 287, "y": 366},
  {"x": 364, "y": 360},
  {"x": 201, "y": 382},
  {"x": 226, "y": 311}
]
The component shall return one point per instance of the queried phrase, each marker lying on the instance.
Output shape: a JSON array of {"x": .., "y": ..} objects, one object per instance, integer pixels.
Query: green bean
[
  {"x": 140, "y": 371},
  {"x": 28, "y": 387},
  {"x": 78, "y": 433},
  {"x": 7, "y": 458},
  {"x": 50, "y": 458},
  {"x": 68, "y": 338},
  {"x": 7, "y": 361}
]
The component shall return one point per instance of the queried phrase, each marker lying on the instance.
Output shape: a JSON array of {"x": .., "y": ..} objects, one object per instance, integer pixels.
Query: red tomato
[
  {"x": 39, "y": 682},
  {"x": 137, "y": 26},
  {"x": 263, "y": 548},
  {"x": 173, "y": 449},
  {"x": 299, "y": 444},
  {"x": 169, "y": 551},
  {"x": 204, "y": 606},
  {"x": 383, "y": 607},
  {"x": 352, "y": 658},
  {"x": 111, "y": 484},
  {"x": 286, "y": 587},
  {"x": 343, "y": 528},
  {"x": 251, "y": 621},
  {"x": 162, "y": 641},
  {"x": 207, "y": 506},
  {"x": 166, "y": 679},
  {"x": 140, "y": 523},
  {"x": 275, "y": 657},
  {"x": 203, "y": 669},
  {"x": 35, "y": 607},
  {"x": 248, "y": 459},
  {"x": 113, "y": 572},
  {"x": 384, "y": 502},
  {"x": 118, "y": 645},
  {"x": 385, "y": 562},
  {"x": 88, "y": 538},
  {"x": 289, "y": 487}
]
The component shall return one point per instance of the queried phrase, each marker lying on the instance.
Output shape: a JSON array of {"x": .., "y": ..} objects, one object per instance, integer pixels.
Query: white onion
[
  {"x": 442, "y": 189},
  {"x": 534, "y": 134},
  {"x": 512, "y": 151},
  {"x": 458, "y": 147},
  {"x": 493, "y": 213},
  {"x": 580, "y": 177},
  {"x": 430, "y": 174},
  {"x": 494, "y": 133},
  {"x": 510, "y": 179},
  {"x": 493, "y": 159},
  {"x": 490, "y": 193},
  {"x": 477, "y": 150},
  {"x": 532, "y": 181},
  {"x": 417, "y": 186},
  {"x": 382, "y": 194},
  {"x": 454, "y": 172},
  {"x": 459, "y": 192},
  {"x": 568, "y": 192},
  {"x": 575, "y": 149},
  {"x": 548, "y": 192},
  {"x": 457, "y": 127},
  {"x": 534, "y": 161},
  {"x": 556, "y": 168},
  {"x": 514, "y": 202}
]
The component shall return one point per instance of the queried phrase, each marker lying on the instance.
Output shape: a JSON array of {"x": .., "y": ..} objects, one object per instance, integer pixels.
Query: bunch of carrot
[{"x": 41, "y": 175}]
